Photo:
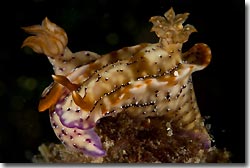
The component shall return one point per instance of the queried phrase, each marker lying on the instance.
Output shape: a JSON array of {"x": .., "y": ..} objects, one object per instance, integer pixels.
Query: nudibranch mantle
[{"x": 145, "y": 80}]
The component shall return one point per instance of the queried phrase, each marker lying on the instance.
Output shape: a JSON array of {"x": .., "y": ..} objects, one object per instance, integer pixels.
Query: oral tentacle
[
  {"x": 50, "y": 96},
  {"x": 65, "y": 82}
]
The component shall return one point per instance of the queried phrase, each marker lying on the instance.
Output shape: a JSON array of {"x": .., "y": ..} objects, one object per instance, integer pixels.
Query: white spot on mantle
[{"x": 176, "y": 73}]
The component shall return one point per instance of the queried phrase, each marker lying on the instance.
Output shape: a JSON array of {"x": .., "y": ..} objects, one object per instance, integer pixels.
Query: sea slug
[{"x": 144, "y": 81}]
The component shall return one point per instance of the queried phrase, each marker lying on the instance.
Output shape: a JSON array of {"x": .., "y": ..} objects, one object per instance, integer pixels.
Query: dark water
[{"x": 105, "y": 25}]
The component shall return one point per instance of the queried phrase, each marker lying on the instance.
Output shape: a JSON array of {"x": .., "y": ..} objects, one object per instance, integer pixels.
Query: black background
[{"x": 105, "y": 25}]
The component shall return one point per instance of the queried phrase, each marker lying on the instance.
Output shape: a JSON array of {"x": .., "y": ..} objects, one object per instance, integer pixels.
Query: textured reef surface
[
  {"x": 136, "y": 104},
  {"x": 136, "y": 142}
]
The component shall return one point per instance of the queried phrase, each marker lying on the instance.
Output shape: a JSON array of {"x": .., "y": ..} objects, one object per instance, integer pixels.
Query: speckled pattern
[{"x": 144, "y": 81}]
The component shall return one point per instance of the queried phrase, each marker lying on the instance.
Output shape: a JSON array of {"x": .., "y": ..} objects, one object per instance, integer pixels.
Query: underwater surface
[{"x": 106, "y": 25}]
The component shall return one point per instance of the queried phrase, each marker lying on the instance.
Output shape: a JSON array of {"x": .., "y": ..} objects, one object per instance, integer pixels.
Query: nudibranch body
[{"x": 145, "y": 80}]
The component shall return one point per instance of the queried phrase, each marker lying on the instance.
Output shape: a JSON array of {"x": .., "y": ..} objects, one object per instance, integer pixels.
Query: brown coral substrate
[{"x": 127, "y": 140}]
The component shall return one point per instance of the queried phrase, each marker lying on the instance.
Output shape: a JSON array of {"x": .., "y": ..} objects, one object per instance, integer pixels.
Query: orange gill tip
[{"x": 65, "y": 82}]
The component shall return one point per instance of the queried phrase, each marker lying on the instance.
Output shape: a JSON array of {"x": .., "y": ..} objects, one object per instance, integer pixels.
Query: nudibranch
[{"x": 144, "y": 80}]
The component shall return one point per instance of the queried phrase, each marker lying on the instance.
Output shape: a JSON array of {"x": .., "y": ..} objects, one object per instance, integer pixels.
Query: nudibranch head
[{"x": 146, "y": 80}]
